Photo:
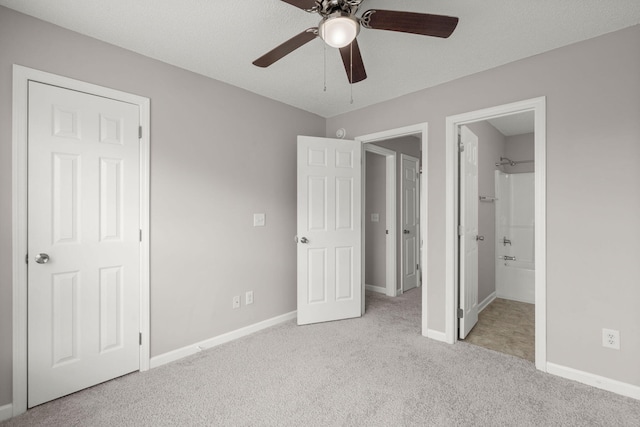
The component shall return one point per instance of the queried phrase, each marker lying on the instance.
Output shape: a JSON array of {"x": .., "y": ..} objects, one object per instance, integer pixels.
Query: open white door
[
  {"x": 410, "y": 208},
  {"x": 468, "y": 230},
  {"x": 329, "y": 229}
]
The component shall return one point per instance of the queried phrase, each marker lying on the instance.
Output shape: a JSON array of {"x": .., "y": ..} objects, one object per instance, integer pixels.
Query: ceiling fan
[{"x": 340, "y": 26}]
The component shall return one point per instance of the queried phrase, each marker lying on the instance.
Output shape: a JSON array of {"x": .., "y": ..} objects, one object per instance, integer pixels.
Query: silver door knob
[
  {"x": 479, "y": 238},
  {"x": 304, "y": 240},
  {"x": 42, "y": 258}
]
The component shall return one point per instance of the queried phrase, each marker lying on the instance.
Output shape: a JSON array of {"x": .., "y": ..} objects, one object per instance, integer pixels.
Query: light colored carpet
[
  {"x": 508, "y": 327},
  {"x": 375, "y": 371}
]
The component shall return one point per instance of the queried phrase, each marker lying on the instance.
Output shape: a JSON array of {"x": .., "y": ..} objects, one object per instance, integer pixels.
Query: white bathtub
[{"x": 515, "y": 279}]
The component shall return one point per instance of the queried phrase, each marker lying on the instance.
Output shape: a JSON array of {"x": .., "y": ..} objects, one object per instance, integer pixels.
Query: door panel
[
  {"x": 469, "y": 231},
  {"x": 329, "y": 229},
  {"x": 410, "y": 214},
  {"x": 84, "y": 212}
]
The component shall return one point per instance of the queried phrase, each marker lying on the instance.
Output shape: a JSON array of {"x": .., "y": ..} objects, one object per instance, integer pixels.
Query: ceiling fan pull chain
[
  {"x": 351, "y": 72},
  {"x": 325, "y": 66}
]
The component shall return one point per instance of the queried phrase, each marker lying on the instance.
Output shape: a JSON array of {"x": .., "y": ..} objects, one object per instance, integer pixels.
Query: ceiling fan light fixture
[{"x": 339, "y": 29}]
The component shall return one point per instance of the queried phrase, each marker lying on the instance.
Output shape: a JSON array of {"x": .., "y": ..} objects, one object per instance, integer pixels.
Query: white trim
[
  {"x": 485, "y": 302},
  {"x": 436, "y": 335},
  {"x": 402, "y": 255},
  {"x": 604, "y": 383},
  {"x": 511, "y": 298},
  {"x": 538, "y": 106},
  {"x": 378, "y": 289},
  {"x": 6, "y": 412},
  {"x": 183, "y": 352},
  {"x": 421, "y": 129},
  {"x": 390, "y": 208},
  {"x": 21, "y": 77}
]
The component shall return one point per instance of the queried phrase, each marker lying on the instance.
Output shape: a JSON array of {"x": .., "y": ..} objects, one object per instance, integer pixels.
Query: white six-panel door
[
  {"x": 410, "y": 211},
  {"x": 84, "y": 204},
  {"x": 469, "y": 231},
  {"x": 329, "y": 229}
]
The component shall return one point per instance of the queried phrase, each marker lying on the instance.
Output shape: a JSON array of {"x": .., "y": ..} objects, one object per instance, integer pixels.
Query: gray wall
[
  {"x": 218, "y": 154},
  {"x": 519, "y": 147},
  {"x": 491, "y": 145},
  {"x": 375, "y": 232},
  {"x": 593, "y": 171},
  {"x": 405, "y": 145}
]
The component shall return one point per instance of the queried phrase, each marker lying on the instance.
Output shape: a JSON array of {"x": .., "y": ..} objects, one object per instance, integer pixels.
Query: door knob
[
  {"x": 304, "y": 240},
  {"x": 405, "y": 231},
  {"x": 42, "y": 258},
  {"x": 479, "y": 238},
  {"x": 509, "y": 258}
]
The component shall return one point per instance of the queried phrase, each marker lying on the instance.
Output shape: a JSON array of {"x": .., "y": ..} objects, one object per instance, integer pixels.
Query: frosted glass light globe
[{"x": 339, "y": 31}]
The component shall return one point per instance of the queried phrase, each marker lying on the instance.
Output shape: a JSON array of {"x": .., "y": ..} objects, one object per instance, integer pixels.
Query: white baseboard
[
  {"x": 180, "y": 353},
  {"x": 436, "y": 335},
  {"x": 488, "y": 300},
  {"x": 593, "y": 380},
  {"x": 378, "y": 289},
  {"x": 6, "y": 412},
  {"x": 512, "y": 298}
]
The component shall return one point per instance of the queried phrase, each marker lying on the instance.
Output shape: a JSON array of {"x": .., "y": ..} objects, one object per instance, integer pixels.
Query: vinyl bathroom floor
[{"x": 508, "y": 327}]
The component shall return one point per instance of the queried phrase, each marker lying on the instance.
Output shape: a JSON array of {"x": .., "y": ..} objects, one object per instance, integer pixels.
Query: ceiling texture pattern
[{"x": 221, "y": 38}]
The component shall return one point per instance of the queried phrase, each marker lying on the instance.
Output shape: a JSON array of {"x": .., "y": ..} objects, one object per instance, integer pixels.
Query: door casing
[
  {"x": 422, "y": 130},
  {"x": 538, "y": 107},
  {"x": 21, "y": 77}
]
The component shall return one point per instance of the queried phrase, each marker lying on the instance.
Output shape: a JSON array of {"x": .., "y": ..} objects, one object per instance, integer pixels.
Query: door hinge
[
  {"x": 460, "y": 313},
  {"x": 417, "y": 266},
  {"x": 26, "y": 259},
  {"x": 140, "y": 235},
  {"x": 139, "y": 132},
  {"x": 386, "y": 231},
  {"x": 460, "y": 144},
  {"x": 460, "y": 230},
  {"x": 140, "y": 338}
]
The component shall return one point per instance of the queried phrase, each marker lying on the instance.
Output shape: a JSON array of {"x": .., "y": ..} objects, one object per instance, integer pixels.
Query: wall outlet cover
[
  {"x": 248, "y": 298},
  {"x": 611, "y": 338}
]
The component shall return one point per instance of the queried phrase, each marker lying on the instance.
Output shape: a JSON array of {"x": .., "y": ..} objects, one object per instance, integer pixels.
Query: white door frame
[
  {"x": 21, "y": 77},
  {"x": 402, "y": 254},
  {"x": 422, "y": 130},
  {"x": 538, "y": 106},
  {"x": 390, "y": 214}
]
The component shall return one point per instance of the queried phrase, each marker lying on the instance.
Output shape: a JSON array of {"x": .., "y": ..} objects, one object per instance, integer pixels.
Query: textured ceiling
[{"x": 220, "y": 39}]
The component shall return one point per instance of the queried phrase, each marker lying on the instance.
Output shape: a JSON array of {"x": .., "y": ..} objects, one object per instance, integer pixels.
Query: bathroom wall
[{"x": 518, "y": 148}]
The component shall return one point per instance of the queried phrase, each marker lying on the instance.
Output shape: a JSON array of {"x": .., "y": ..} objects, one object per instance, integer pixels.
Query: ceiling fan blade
[
  {"x": 286, "y": 48},
  {"x": 410, "y": 22},
  {"x": 352, "y": 59},
  {"x": 302, "y": 4}
]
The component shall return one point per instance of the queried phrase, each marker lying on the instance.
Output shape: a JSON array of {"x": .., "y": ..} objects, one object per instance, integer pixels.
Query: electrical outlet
[
  {"x": 611, "y": 338},
  {"x": 236, "y": 301},
  {"x": 248, "y": 298}
]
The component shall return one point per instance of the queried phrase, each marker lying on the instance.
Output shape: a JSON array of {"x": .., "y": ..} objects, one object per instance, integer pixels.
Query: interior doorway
[
  {"x": 497, "y": 206},
  {"x": 403, "y": 262},
  {"x": 67, "y": 205},
  {"x": 455, "y": 229}
]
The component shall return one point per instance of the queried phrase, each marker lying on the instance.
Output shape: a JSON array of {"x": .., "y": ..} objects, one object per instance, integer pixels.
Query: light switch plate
[
  {"x": 259, "y": 220},
  {"x": 375, "y": 217}
]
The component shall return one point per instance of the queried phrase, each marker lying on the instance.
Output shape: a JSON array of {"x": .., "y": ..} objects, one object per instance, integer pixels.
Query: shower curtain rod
[{"x": 507, "y": 161}]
